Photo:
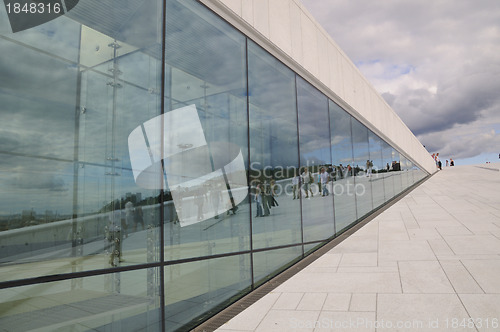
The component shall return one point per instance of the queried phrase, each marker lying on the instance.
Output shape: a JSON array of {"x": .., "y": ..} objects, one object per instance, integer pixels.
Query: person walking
[
  {"x": 306, "y": 182},
  {"x": 115, "y": 235},
  {"x": 369, "y": 167},
  {"x": 274, "y": 202},
  {"x": 295, "y": 186},
  {"x": 324, "y": 182},
  {"x": 129, "y": 217},
  {"x": 258, "y": 200},
  {"x": 138, "y": 218},
  {"x": 266, "y": 198}
]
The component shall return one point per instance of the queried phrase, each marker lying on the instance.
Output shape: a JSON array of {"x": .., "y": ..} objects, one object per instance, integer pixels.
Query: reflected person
[
  {"x": 324, "y": 177},
  {"x": 295, "y": 186},
  {"x": 266, "y": 198},
  {"x": 274, "y": 202},
  {"x": 129, "y": 216},
  {"x": 258, "y": 200},
  {"x": 138, "y": 217},
  {"x": 307, "y": 179},
  {"x": 115, "y": 236}
]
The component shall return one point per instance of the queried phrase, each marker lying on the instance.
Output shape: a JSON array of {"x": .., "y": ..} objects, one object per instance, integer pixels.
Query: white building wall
[{"x": 288, "y": 31}]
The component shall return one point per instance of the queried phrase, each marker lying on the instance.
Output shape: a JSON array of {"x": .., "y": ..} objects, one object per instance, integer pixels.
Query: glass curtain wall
[
  {"x": 404, "y": 171},
  {"x": 155, "y": 178},
  {"x": 342, "y": 181},
  {"x": 72, "y": 91},
  {"x": 274, "y": 168},
  {"x": 396, "y": 167},
  {"x": 361, "y": 162},
  {"x": 376, "y": 169},
  {"x": 206, "y": 157},
  {"x": 315, "y": 159},
  {"x": 390, "y": 173}
]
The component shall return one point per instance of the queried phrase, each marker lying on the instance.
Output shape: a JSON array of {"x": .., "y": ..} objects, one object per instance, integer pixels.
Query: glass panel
[
  {"x": 362, "y": 188},
  {"x": 269, "y": 263},
  {"x": 310, "y": 248},
  {"x": 396, "y": 167},
  {"x": 409, "y": 169},
  {"x": 67, "y": 176},
  {"x": 205, "y": 144},
  {"x": 125, "y": 301},
  {"x": 423, "y": 174},
  {"x": 418, "y": 173},
  {"x": 197, "y": 290},
  {"x": 389, "y": 171},
  {"x": 315, "y": 161},
  {"x": 341, "y": 172},
  {"x": 376, "y": 169},
  {"x": 273, "y": 151},
  {"x": 404, "y": 172}
]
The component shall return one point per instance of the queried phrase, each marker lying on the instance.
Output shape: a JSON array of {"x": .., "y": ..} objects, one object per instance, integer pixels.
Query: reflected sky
[
  {"x": 341, "y": 139},
  {"x": 50, "y": 115},
  {"x": 314, "y": 130},
  {"x": 273, "y": 115}
]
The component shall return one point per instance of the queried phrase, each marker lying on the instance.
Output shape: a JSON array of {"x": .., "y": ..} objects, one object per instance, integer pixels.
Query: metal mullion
[
  {"x": 352, "y": 162},
  {"x": 162, "y": 178},
  {"x": 252, "y": 275},
  {"x": 298, "y": 170},
  {"x": 331, "y": 162}
]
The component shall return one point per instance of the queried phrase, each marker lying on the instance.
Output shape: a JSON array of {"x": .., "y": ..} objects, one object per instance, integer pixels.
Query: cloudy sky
[{"x": 436, "y": 62}]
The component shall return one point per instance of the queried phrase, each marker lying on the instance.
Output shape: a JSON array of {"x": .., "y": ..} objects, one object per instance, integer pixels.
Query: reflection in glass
[
  {"x": 70, "y": 179},
  {"x": 396, "y": 167},
  {"x": 404, "y": 172},
  {"x": 390, "y": 172},
  {"x": 273, "y": 151},
  {"x": 193, "y": 290},
  {"x": 409, "y": 167},
  {"x": 361, "y": 168},
  {"x": 314, "y": 138},
  {"x": 341, "y": 172},
  {"x": 206, "y": 134},
  {"x": 376, "y": 169},
  {"x": 267, "y": 264},
  {"x": 418, "y": 174},
  {"x": 126, "y": 301}
]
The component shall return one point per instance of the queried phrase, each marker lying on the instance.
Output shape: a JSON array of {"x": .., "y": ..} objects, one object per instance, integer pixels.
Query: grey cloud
[
  {"x": 461, "y": 145},
  {"x": 451, "y": 48},
  {"x": 458, "y": 102},
  {"x": 38, "y": 181}
]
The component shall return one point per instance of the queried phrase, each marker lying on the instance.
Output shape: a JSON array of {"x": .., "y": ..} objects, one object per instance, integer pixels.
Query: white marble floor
[{"x": 431, "y": 262}]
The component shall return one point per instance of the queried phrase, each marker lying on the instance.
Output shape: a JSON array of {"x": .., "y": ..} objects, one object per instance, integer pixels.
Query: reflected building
[{"x": 139, "y": 141}]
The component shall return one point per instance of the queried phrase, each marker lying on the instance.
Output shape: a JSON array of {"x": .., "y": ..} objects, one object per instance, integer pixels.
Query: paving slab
[{"x": 430, "y": 262}]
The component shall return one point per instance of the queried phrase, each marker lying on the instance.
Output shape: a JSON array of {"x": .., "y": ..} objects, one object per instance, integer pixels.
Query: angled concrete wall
[{"x": 288, "y": 31}]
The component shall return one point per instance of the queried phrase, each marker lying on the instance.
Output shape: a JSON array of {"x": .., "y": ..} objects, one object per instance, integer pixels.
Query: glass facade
[{"x": 156, "y": 164}]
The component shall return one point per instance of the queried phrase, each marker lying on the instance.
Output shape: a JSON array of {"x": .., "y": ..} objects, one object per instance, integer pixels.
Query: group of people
[
  {"x": 265, "y": 193},
  {"x": 305, "y": 180},
  {"x": 265, "y": 198},
  {"x": 439, "y": 164},
  {"x": 212, "y": 193}
]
